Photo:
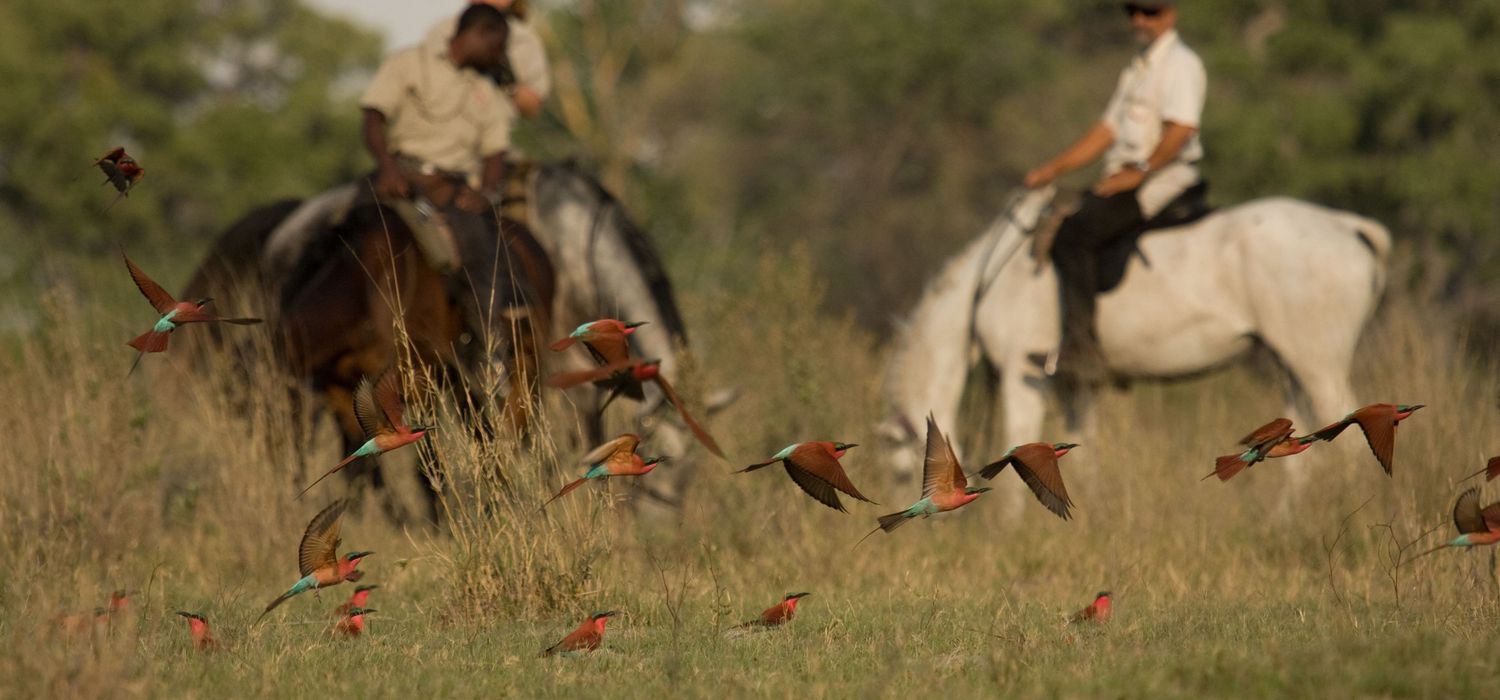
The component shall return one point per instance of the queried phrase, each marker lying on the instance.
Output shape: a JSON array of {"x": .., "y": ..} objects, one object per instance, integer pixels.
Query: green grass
[{"x": 166, "y": 486}]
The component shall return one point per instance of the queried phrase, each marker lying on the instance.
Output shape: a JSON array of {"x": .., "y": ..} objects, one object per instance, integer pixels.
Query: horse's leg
[
  {"x": 1320, "y": 370},
  {"x": 1024, "y": 402}
]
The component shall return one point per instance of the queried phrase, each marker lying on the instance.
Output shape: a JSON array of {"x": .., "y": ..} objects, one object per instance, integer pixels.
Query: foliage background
[{"x": 872, "y": 136}]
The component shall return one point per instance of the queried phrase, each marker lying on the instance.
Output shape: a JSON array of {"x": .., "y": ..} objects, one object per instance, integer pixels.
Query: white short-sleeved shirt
[
  {"x": 1164, "y": 83},
  {"x": 524, "y": 50},
  {"x": 448, "y": 117}
]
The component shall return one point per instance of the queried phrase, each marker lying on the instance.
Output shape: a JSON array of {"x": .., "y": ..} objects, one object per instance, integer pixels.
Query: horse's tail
[{"x": 1377, "y": 238}]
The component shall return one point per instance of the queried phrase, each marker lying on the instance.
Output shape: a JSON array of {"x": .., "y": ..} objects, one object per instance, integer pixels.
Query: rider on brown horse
[{"x": 439, "y": 132}]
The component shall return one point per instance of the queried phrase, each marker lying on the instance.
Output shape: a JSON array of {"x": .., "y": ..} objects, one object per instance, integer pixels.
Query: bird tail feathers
[
  {"x": 328, "y": 473},
  {"x": 563, "y": 344},
  {"x": 756, "y": 466},
  {"x": 150, "y": 341},
  {"x": 565, "y": 490},
  {"x": 893, "y": 521},
  {"x": 1228, "y": 466},
  {"x": 992, "y": 469}
]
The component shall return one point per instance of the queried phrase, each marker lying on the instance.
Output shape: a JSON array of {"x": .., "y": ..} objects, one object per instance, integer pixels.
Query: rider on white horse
[{"x": 1149, "y": 139}]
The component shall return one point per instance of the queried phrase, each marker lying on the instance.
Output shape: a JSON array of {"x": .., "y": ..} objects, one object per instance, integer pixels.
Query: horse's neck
[
  {"x": 931, "y": 356},
  {"x": 605, "y": 267}
]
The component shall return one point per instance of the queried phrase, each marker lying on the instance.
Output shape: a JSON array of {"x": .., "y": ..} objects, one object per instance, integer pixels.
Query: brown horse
[{"x": 364, "y": 289}]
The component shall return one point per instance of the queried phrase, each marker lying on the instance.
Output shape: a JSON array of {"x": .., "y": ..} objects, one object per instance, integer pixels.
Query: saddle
[{"x": 1188, "y": 207}]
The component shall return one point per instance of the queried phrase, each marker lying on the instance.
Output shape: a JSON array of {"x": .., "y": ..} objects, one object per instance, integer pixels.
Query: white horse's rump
[{"x": 1300, "y": 278}]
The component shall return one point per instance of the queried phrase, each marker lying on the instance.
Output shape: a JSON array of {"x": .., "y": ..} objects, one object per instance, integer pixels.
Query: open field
[{"x": 164, "y": 486}]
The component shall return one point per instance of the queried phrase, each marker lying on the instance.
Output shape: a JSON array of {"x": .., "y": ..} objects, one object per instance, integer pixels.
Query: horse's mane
[
  {"x": 235, "y": 254},
  {"x": 642, "y": 253}
]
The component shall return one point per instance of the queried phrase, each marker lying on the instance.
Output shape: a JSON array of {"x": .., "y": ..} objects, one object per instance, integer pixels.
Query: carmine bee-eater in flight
[
  {"x": 1378, "y": 421},
  {"x": 1490, "y": 470},
  {"x": 357, "y": 600},
  {"x": 1097, "y": 611},
  {"x": 173, "y": 314},
  {"x": 1036, "y": 464},
  {"x": 614, "y": 458},
  {"x": 606, "y": 339},
  {"x": 381, "y": 413},
  {"x": 1269, "y": 441},
  {"x": 352, "y": 624},
  {"x": 203, "y": 637},
  {"x": 121, "y": 171},
  {"x": 815, "y": 468},
  {"x": 317, "y": 557},
  {"x": 586, "y": 638},
  {"x": 1476, "y": 526},
  {"x": 626, "y": 377},
  {"x": 944, "y": 486},
  {"x": 772, "y": 617}
]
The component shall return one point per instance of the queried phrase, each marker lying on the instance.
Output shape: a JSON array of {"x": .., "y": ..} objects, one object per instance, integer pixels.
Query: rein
[{"x": 982, "y": 280}]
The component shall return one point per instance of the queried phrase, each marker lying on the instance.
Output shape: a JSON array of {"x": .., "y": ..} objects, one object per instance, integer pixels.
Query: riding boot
[{"x": 1079, "y": 355}]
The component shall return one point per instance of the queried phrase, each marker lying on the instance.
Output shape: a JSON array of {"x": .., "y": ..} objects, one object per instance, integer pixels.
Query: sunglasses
[{"x": 1132, "y": 9}]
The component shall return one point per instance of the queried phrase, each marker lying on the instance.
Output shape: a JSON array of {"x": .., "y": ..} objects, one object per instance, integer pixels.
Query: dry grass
[{"x": 161, "y": 484}]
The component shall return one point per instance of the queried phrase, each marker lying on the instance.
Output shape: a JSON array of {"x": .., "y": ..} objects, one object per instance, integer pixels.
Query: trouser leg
[{"x": 1075, "y": 255}]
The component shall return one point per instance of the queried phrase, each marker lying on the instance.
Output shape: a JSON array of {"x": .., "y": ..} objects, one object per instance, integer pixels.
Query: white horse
[{"x": 1299, "y": 278}]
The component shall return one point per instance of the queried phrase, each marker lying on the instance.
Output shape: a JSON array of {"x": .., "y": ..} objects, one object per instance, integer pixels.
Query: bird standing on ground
[
  {"x": 944, "y": 486},
  {"x": 1036, "y": 464},
  {"x": 317, "y": 557},
  {"x": 173, "y": 314},
  {"x": 353, "y": 622},
  {"x": 1378, "y": 422},
  {"x": 1476, "y": 526},
  {"x": 588, "y": 636},
  {"x": 606, "y": 339},
  {"x": 1269, "y": 441},
  {"x": 121, "y": 171},
  {"x": 815, "y": 468},
  {"x": 614, "y": 458},
  {"x": 1097, "y": 611},
  {"x": 625, "y": 377},
  {"x": 381, "y": 413},
  {"x": 203, "y": 637},
  {"x": 772, "y": 617}
]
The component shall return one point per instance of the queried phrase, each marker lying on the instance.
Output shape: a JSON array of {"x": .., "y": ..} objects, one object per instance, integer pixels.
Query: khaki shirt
[
  {"x": 1164, "y": 83},
  {"x": 444, "y": 116},
  {"x": 524, "y": 48}
]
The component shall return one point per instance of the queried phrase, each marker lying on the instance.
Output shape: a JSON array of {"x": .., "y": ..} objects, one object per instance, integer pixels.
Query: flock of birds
[{"x": 813, "y": 466}]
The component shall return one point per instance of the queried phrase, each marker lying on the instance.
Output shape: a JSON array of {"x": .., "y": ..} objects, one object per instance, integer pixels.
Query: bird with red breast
[
  {"x": 1270, "y": 441},
  {"x": 627, "y": 376},
  {"x": 815, "y": 468},
  {"x": 614, "y": 458},
  {"x": 318, "y": 559},
  {"x": 1477, "y": 527},
  {"x": 1037, "y": 465},
  {"x": 1378, "y": 421},
  {"x": 944, "y": 486},
  {"x": 771, "y": 618},
  {"x": 121, "y": 171},
  {"x": 607, "y": 339},
  {"x": 586, "y": 638},
  {"x": 174, "y": 313},
  {"x": 381, "y": 411},
  {"x": 1097, "y": 611},
  {"x": 203, "y": 637},
  {"x": 352, "y": 624}
]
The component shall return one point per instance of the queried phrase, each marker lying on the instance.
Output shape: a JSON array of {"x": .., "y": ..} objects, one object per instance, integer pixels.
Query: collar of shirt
[{"x": 1153, "y": 54}]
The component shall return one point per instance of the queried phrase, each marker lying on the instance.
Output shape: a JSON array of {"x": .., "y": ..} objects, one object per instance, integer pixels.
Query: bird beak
[
  {"x": 608, "y": 613},
  {"x": 851, "y": 446},
  {"x": 1413, "y": 409},
  {"x": 636, "y": 324}
]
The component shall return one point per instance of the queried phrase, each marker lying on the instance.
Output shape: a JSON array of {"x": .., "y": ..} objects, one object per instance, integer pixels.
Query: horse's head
[{"x": 901, "y": 445}]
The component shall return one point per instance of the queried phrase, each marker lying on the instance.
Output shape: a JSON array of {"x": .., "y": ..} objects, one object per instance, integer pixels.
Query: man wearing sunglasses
[{"x": 1148, "y": 137}]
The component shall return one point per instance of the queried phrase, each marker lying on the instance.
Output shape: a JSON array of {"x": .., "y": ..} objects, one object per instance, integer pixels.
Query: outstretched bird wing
[
  {"x": 1378, "y": 422},
  {"x": 821, "y": 491},
  {"x": 368, "y": 408},
  {"x": 388, "y": 398},
  {"x": 625, "y": 443},
  {"x": 1273, "y": 432},
  {"x": 941, "y": 471},
  {"x": 159, "y": 298},
  {"x": 320, "y": 543},
  {"x": 565, "y": 380},
  {"x": 608, "y": 344},
  {"x": 1467, "y": 516},
  {"x": 1036, "y": 464},
  {"x": 702, "y": 435},
  {"x": 812, "y": 459}
]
